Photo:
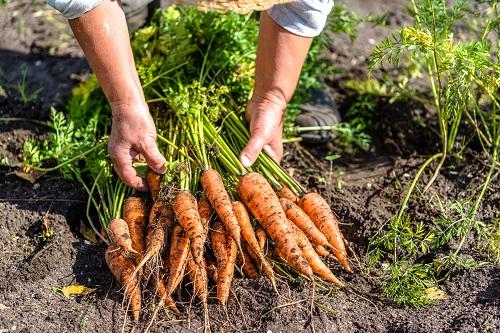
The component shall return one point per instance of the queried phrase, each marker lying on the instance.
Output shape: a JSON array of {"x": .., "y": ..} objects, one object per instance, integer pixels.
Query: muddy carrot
[
  {"x": 259, "y": 197},
  {"x": 154, "y": 182},
  {"x": 298, "y": 217},
  {"x": 287, "y": 193},
  {"x": 219, "y": 199},
  {"x": 186, "y": 210},
  {"x": 250, "y": 239},
  {"x": 322, "y": 216},
  {"x": 120, "y": 235},
  {"x": 224, "y": 248},
  {"x": 205, "y": 211},
  {"x": 260, "y": 233},
  {"x": 122, "y": 268},
  {"x": 247, "y": 265},
  {"x": 134, "y": 213},
  {"x": 312, "y": 257}
]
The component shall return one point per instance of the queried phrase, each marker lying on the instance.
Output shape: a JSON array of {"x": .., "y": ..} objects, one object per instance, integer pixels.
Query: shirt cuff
[
  {"x": 305, "y": 18},
  {"x": 72, "y": 9}
]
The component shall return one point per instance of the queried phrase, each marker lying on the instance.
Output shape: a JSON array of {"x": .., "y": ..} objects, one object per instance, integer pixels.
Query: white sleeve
[
  {"x": 72, "y": 9},
  {"x": 305, "y": 18}
]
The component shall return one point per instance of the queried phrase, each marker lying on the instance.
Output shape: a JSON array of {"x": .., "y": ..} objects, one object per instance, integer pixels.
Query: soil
[{"x": 32, "y": 268}]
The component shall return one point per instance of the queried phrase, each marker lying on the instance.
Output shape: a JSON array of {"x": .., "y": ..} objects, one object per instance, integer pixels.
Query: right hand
[{"x": 133, "y": 132}]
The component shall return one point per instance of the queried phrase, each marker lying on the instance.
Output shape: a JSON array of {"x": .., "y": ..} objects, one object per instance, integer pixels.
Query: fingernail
[{"x": 245, "y": 160}]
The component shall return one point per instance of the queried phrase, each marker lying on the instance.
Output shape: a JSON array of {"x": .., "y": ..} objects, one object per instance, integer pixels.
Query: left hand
[{"x": 265, "y": 116}]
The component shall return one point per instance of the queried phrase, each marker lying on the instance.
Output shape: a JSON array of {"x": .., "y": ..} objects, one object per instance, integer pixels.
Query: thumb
[
  {"x": 154, "y": 158},
  {"x": 252, "y": 150}
]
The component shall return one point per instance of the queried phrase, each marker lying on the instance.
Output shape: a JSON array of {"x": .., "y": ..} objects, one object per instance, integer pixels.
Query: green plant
[
  {"x": 22, "y": 89},
  {"x": 457, "y": 71}
]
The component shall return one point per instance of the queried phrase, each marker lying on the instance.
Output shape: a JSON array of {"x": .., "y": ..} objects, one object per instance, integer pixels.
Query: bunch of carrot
[
  {"x": 252, "y": 219},
  {"x": 209, "y": 237}
]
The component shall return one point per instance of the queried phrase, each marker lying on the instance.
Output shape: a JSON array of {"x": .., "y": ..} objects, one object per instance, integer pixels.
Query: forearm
[
  {"x": 103, "y": 35},
  {"x": 280, "y": 56}
]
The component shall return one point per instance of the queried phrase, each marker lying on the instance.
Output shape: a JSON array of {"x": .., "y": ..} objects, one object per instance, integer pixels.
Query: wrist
[
  {"x": 128, "y": 106},
  {"x": 271, "y": 98}
]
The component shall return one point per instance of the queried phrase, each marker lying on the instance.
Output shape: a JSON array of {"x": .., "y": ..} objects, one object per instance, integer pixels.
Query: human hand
[
  {"x": 133, "y": 132},
  {"x": 265, "y": 115}
]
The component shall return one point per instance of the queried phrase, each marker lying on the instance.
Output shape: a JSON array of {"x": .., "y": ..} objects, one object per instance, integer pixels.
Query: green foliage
[
  {"x": 424, "y": 254},
  {"x": 22, "y": 88}
]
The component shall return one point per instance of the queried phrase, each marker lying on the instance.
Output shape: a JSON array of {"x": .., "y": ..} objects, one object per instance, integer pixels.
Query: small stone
[
  {"x": 369, "y": 185},
  {"x": 371, "y": 41},
  {"x": 36, "y": 186}
]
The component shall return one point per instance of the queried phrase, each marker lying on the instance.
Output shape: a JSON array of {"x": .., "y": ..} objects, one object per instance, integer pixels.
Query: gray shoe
[{"x": 321, "y": 110}]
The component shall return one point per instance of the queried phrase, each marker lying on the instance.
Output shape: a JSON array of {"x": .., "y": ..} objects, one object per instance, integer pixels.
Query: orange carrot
[
  {"x": 212, "y": 271},
  {"x": 179, "y": 251},
  {"x": 198, "y": 276},
  {"x": 224, "y": 248},
  {"x": 287, "y": 193},
  {"x": 134, "y": 213},
  {"x": 322, "y": 251},
  {"x": 247, "y": 265},
  {"x": 205, "y": 211},
  {"x": 322, "y": 216},
  {"x": 120, "y": 235},
  {"x": 312, "y": 257},
  {"x": 122, "y": 269},
  {"x": 219, "y": 199},
  {"x": 250, "y": 238},
  {"x": 260, "y": 233},
  {"x": 154, "y": 182},
  {"x": 259, "y": 197},
  {"x": 186, "y": 210},
  {"x": 161, "y": 220},
  {"x": 303, "y": 221}
]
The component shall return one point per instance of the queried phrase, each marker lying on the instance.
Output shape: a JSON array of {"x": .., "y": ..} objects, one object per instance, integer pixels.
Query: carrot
[
  {"x": 134, "y": 213},
  {"x": 303, "y": 221},
  {"x": 198, "y": 276},
  {"x": 122, "y": 269},
  {"x": 250, "y": 238},
  {"x": 322, "y": 216},
  {"x": 186, "y": 210},
  {"x": 216, "y": 193},
  {"x": 205, "y": 211},
  {"x": 179, "y": 251},
  {"x": 161, "y": 220},
  {"x": 248, "y": 267},
  {"x": 287, "y": 193},
  {"x": 313, "y": 258},
  {"x": 154, "y": 182},
  {"x": 212, "y": 270},
  {"x": 322, "y": 251},
  {"x": 260, "y": 233},
  {"x": 259, "y": 197},
  {"x": 224, "y": 248},
  {"x": 120, "y": 235}
]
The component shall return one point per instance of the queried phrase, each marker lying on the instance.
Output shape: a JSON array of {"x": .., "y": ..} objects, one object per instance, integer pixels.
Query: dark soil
[{"x": 32, "y": 268}]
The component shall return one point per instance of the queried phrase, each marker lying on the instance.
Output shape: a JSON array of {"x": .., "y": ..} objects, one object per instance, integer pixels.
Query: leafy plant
[{"x": 457, "y": 71}]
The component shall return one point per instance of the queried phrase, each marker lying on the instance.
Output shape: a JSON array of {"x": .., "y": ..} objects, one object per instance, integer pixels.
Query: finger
[
  {"x": 127, "y": 173},
  {"x": 275, "y": 151},
  {"x": 252, "y": 150},
  {"x": 153, "y": 157}
]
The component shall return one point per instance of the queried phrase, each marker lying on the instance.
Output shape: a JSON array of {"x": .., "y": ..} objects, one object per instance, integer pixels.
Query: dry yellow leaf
[
  {"x": 435, "y": 294},
  {"x": 76, "y": 290}
]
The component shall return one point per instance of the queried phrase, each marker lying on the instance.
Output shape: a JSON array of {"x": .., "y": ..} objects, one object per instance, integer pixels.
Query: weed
[{"x": 22, "y": 89}]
